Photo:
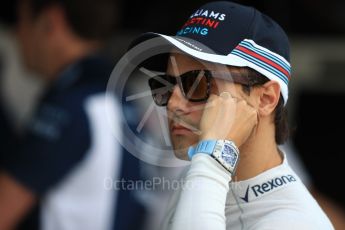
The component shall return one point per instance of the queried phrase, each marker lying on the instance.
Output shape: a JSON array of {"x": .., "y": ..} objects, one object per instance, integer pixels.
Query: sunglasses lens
[
  {"x": 195, "y": 85},
  {"x": 161, "y": 89}
]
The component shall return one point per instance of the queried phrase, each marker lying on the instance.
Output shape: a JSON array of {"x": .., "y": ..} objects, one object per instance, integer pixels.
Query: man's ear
[{"x": 269, "y": 97}]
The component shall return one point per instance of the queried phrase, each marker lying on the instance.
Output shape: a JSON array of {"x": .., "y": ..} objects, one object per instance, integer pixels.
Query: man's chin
[
  {"x": 181, "y": 149},
  {"x": 181, "y": 146},
  {"x": 181, "y": 154}
]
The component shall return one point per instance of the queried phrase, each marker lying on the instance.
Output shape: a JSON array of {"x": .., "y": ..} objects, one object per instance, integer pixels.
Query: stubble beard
[{"x": 181, "y": 143}]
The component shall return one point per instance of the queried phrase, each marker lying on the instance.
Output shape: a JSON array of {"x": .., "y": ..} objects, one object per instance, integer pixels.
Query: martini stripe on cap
[
  {"x": 266, "y": 54},
  {"x": 262, "y": 58},
  {"x": 260, "y": 64}
]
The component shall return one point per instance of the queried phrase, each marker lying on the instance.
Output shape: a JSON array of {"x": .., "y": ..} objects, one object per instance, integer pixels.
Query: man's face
[
  {"x": 31, "y": 34},
  {"x": 184, "y": 116}
]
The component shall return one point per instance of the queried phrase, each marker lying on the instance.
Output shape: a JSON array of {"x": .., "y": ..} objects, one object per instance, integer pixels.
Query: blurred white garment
[{"x": 19, "y": 89}]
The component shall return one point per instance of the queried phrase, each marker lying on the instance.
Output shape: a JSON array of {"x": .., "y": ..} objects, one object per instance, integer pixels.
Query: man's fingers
[{"x": 225, "y": 95}]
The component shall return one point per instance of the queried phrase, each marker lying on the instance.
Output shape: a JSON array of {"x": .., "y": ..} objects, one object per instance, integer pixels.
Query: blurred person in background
[{"x": 53, "y": 177}]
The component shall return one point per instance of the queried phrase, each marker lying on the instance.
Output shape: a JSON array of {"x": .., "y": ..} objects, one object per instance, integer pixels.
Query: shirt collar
[{"x": 261, "y": 185}]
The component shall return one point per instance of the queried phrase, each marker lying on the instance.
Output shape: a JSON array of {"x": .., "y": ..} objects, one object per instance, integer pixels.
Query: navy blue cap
[{"x": 232, "y": 34}]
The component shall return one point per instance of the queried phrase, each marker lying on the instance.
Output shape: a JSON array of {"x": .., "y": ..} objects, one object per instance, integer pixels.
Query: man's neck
[
  {"x": 67, "y": 55},
  {"x": 258, "y": 154}
]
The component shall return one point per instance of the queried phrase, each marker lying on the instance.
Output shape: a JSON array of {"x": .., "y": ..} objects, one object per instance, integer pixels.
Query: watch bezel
[{"x": 217, "y": 154}]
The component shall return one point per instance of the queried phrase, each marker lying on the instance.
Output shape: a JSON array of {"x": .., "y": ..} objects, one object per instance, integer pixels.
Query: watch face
[{"x": 229, "y": 155}]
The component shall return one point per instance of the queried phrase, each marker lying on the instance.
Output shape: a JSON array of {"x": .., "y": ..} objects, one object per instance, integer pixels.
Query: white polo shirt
[{"x": 274, "y": 199}]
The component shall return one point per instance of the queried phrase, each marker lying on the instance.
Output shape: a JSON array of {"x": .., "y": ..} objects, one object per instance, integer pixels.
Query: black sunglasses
[{"x": 195, "y": 85}]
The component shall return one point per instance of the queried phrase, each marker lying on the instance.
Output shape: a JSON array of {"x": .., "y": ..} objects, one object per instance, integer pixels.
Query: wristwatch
[{"x": 224, "y": 152}]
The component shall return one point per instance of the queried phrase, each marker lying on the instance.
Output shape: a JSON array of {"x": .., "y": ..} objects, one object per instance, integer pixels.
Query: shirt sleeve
[
  {"x": 57, "y": 140},
  {"x": 202, "y": 201}
]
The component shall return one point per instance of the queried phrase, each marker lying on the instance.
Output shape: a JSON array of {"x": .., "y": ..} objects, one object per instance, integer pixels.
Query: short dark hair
[
  {"x": 254, "y": 79},
  {"x": 89, "y": 19}
]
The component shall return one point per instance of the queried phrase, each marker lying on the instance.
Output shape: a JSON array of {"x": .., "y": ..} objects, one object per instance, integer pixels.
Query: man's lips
[
  {"x": 180, "y": 126},
  {"x": 179, "y": 129},
  {"x": 184, "y": 128}
]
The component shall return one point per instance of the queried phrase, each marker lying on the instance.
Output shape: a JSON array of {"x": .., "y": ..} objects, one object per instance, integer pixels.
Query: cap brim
[
  {"x": 200, "y": 51},
  {"x": 186, "y": 45}
]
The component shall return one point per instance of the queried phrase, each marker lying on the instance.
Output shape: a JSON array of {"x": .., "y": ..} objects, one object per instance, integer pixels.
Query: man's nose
[{"x": 177, "y": 101}]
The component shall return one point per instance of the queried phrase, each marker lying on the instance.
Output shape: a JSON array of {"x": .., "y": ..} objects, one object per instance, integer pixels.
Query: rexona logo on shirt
[{"x": 260, "y": 189}]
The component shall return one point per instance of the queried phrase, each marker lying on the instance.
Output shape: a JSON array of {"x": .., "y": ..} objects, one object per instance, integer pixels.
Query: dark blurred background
[
  {"x": 306, "y": 17},
  {"x": 317, "y": 91}
]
